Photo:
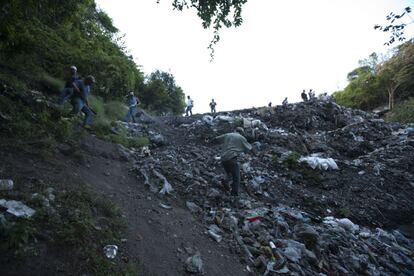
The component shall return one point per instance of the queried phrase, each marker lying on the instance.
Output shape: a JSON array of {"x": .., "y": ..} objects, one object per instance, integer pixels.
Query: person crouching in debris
[
  {"x": 233, "y": 144},
  {"x": 81, "y": 89},
  {"x": 132, "y": 107}
]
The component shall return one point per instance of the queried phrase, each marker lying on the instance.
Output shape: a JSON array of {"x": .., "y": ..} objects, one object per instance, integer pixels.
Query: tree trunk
[{"x": 391, "y": 96}]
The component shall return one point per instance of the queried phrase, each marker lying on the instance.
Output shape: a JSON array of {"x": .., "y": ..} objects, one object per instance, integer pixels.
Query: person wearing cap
[
  {"x": 132, "y": 107},
  {"x": 67, "y": 91},
  {"x": 82, "y": 89},
  {"x": 234, "y": 144}
]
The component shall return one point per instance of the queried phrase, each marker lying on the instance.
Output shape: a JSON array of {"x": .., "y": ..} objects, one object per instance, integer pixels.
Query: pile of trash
[{"x": 325, "y": 190}]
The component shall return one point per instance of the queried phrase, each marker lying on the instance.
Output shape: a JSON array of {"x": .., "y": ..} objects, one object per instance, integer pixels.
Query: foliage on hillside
[
  {"x": 404, "y": 112},
  {"x": 377, "y": 82},
  {"x": 39, "y": 40},
  {"x": 43, "y": 38}
]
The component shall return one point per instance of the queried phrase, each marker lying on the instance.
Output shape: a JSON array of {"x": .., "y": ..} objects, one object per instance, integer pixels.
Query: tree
[
  {"x": 41, "y": 39},
  {"x": 215, "y": 13},
  {"x": 161, "y": 94},
  {"x": 396, "y": 27},
  {"x": 397, "y": 73},
  {"x": 375, "y": 83}
]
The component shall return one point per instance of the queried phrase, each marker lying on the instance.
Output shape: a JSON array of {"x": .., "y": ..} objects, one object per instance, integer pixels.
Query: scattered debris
[
  {"x": 17, "y": 208},
  {"x": 110, "y": 251},
  {"x": 6, "y": 184}
]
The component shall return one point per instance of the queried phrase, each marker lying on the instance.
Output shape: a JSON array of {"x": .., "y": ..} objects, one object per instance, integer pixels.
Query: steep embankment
[{"x": 283, "y": 201}]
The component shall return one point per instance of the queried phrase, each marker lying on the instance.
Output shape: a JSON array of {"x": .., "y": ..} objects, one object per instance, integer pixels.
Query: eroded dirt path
[{"x": 158, "y": 239}]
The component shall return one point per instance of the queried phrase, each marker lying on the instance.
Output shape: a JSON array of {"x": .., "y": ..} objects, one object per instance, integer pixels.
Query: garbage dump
[{"x": 324, "y": 192}]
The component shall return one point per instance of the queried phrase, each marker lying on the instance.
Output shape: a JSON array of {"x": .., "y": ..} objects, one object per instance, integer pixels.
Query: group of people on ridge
[{"x": 311, "y": 94}]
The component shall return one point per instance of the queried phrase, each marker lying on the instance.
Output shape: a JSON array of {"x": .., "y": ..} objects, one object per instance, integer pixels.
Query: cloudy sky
[{"x": 281, "y": 48}]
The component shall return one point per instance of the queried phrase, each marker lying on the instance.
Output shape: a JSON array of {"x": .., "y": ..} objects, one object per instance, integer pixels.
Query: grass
[
  {"x": 403, "y": 112},
  {"x": 78, "y": 222},
  {"x": 36, "y": 124},
  {"x": 104, "y": 121}
]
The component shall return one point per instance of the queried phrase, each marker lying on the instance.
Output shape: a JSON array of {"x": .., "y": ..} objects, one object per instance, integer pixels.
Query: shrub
[
  {"x": 115, "y": 110},
  {"x": 51, "y": 84},
  {"x": 291, "y": 160},
  {"x": 403, "y": 112}
]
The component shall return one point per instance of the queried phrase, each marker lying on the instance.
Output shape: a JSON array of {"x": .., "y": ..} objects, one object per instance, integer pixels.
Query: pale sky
[{"x": 281, "y": 48}]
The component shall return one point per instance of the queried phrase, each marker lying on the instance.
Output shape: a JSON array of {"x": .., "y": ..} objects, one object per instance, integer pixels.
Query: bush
[
  {"x": 28, "y": 125},
  {"x": 51, "y": 84},
  {"x": 291, "y": 160},
  {"x": 115, "y": 110},
  {"x": 403, "y": 112}
]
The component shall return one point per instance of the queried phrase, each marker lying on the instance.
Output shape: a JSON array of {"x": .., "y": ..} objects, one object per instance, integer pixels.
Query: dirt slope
[{"x": 157, "y": 239}]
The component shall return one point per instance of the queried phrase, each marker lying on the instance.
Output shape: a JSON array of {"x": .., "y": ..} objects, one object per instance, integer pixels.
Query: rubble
[
  {"x": 17, "y": 208},
  {"x": 6, "y": 184},
  {"x": 323, "y": 193}
]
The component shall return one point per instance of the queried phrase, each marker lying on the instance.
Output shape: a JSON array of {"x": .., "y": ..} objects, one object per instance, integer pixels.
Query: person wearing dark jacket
[{"x": 304, "y": 96}]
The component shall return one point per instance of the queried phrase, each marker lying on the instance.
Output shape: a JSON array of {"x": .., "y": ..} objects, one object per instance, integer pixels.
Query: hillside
[{"x": 352, "y": 218}]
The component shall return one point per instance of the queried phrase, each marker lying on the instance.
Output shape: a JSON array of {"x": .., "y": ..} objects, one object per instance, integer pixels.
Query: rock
[
  {"x": 348, "y": 225},
  {"x": 194, "y": 208},
  {"x": 307, "y": 234},
  {"x": 292, "y": 254},
  {"x": 194, "y": 264}
]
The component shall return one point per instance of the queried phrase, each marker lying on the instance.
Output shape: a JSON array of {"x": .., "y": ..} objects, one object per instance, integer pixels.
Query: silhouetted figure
[
  {"x": 285, "y": 102},
  {"x": 304, "y": 96},
  {"x": 270, "y": 104},
  {"x": 213, "y": 106}
]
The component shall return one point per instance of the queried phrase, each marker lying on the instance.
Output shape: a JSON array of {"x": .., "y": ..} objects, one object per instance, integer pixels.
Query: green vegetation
[
  {"x": 292, "y": 160},
  {"x": 39, "y": 40},
  {"x": 215, "y": 13},
  {"x": 39, "y": 124},
  {"x": 344, "y": 212},
  {"x": 309, "y": 174},
  {"x": 75, "y": 219},
  {"x": 404, "y": 112},
  {"x": 161, "y": 95},
  {"x": 377, "y": 82}
]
